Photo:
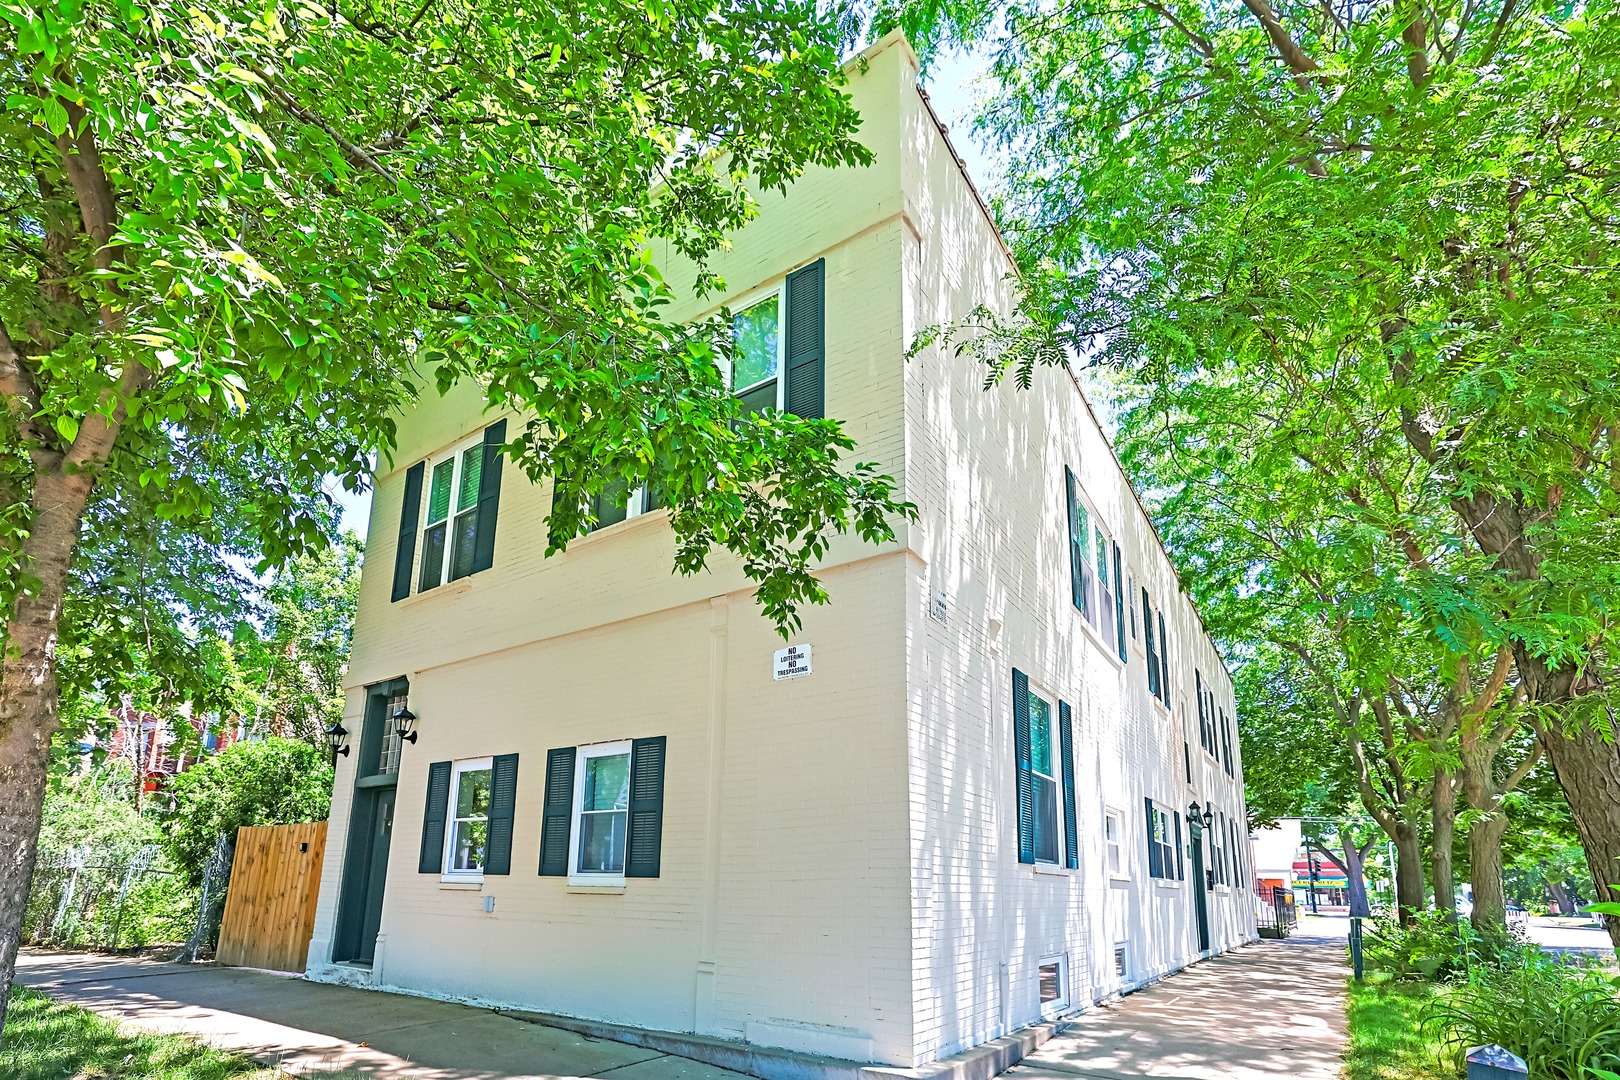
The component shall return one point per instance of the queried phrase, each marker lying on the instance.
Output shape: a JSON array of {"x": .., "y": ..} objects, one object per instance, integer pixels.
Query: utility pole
[{"x": 1311, "y": 858}]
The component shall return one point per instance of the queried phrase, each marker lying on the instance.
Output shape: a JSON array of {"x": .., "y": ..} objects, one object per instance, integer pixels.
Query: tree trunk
[
  {"x": 1444, "y": 833},
  {"x": 1556, "y": 891},
  {"x": 1485, "y": 866},
  {"x": 1355, "y": 862},
  {"x": 1588, "y": 770},
  {"x": 28, "y": 702},
  {"x": 1409, "y": 886}
]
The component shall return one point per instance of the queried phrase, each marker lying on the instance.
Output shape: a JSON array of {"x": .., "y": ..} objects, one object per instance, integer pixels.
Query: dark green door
[
  {"x": 382, "y": 829},
  {"x": 1200, "y": 888}
]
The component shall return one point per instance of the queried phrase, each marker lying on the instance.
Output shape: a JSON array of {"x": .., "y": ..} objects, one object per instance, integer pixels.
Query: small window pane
[
  {"x": 472, "y": 795},
  {"x": 439, "y": 498},
  {"x": 467, "y": 852},
  {"x": 461, "y": 555},
  {"x": 1040, "y": 735},
  {"x": 1048, "y": 831},
  {"x": 759, "y": 399},
  {"x": 433, "y": 556},
  {"x": 472, "y": 469},
  {"x": 601, "y": 842},
  {"x": 612, "y": 504},
  {"x": 758, "y": 341},
  {"x": 607, "y": 782},
  {"x": 1051, "y": 983}
]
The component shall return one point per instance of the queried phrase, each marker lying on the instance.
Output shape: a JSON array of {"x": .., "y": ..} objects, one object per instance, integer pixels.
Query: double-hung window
[
  {"x": 601, "y": 812},
  {"x": 448, "y": 516},
  {"x": 1113, "y": 840},
  {"x": 1217, "y": 849},
  {"x": 757, "y": 364},
  {"x": 1044, "y": 746},
  {"x": 1093, "y": 580},
  {"x": 466, "y": 830},
  {"x": 1164, "y": 829}
]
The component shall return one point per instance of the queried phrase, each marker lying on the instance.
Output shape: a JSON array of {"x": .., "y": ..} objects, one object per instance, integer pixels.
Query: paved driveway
[{"x": 310, "y": 1027}]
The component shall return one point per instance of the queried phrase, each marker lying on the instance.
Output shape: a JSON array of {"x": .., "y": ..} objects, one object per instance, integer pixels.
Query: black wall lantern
[
  {"x": 337, "y": 737},
  {"x": 404, "y": 725}
]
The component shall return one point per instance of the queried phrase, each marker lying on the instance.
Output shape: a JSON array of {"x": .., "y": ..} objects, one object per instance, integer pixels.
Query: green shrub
[
  {"x": 1563, "y": 1019},
  {"x": 1434, "y": 947},
  {"x": 264, "y": 782}
]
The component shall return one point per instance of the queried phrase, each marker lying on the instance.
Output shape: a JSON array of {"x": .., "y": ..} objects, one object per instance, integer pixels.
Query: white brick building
[{"x": 972, "y": 813}]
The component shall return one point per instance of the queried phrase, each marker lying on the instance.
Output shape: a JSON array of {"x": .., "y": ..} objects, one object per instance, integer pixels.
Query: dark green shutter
[
  {"x": 1077, "y": 580},
  {"x": 502, "y": 804},
  {"x": 489, "y": 497},
  {"x": 807, "y": 341},
  {"x": 437, "y": 807},
  {"x": 1181, "y": 865},
  {"x": 1071, "y": 835},
  {"x": 409, "y": 514},
  {"x": 1155, "y": 853},
  {"x": 1119, "y": 603},
  {"x": 644, "y": 843},
  {"x": 556, "y": 821},
  {"x": 1164, "y": 663},
  {"x": 1025, "y": 776},
  {"x": 1152, "y": 653}
]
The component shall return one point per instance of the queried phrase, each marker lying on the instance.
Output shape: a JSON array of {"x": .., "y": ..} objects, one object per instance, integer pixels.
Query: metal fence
[
  {"x": 109, "y": 898},
  {"x": 1283, "y": 911}
]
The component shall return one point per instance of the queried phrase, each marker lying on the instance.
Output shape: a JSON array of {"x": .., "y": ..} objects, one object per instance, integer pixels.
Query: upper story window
[
  {"x": 1094, "y": 568},
  {"x": 756, "y": 371},
  {"x": 449, "y": 514},
  {"x": 779, "y": 365}
]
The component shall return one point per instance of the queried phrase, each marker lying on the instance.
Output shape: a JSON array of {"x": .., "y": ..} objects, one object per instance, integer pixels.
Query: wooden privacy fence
[{"x": 270, "y": 906}]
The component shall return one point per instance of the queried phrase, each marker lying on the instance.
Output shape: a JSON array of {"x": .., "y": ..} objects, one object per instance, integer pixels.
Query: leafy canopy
[{"x": 251, "y": 232}]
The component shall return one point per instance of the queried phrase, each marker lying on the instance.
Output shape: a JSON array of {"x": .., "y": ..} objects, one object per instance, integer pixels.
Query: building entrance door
[
  {"x": 1200, "y": 882},
  {"x": 371, "y": 828}
]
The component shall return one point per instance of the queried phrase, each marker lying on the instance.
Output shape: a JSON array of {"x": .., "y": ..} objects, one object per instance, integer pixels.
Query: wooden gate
[{"x": 270, "y": 905}]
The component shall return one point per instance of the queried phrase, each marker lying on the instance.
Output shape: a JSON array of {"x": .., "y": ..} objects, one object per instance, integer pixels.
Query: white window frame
[
  {"x": 748, "y": 301},
  {"x": 1094, "y": 617},
  {"x": 576, "y": 830},
  {"x": 1060, "y": 1004},
  {"x": 457, "y": 456},
  {"x": 465, "y": 765},
  {"x": 1114, "y": 847},
  {"x": 637, "y": 505},
  {"x": 1055, "y": 735},
  {"x": 1167, "y": 850}
]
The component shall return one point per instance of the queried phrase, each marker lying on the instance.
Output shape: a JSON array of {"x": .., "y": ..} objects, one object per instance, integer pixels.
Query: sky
[{"x": 951, "y": 87}]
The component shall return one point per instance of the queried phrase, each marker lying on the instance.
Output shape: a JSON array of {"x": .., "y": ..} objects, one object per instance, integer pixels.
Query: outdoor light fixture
[
  {"x": 1195, "y": 814},
  {"x": 337, "y": 737},
  {"x": 404, "y": 723},
  {"x": 1209, "y": 819}
]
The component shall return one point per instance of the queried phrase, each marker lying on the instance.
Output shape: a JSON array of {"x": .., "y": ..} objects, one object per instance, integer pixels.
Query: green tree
[
  {"x": 1381, "y": 233},
  {"x": 262, "y": 782},
  {"x": 243, "y": 233},
  {"x": 292, "y": 668}
]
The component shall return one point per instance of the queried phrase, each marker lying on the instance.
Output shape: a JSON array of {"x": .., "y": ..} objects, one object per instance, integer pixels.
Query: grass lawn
[
  {"x": 46, "y": 1040},
  {"x": 1386, "y": 1037}
]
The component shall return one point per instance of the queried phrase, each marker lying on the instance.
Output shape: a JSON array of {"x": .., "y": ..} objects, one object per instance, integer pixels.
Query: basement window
[{"x": 1053, "y": 973}]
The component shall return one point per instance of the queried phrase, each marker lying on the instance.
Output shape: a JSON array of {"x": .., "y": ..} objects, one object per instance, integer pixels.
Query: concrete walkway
[
  {"x": 1272, "y": 1009},
  {"x": 312, "y": 1028}
]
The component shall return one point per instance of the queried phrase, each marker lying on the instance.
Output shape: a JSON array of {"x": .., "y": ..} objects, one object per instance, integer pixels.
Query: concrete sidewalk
[
  {"x": 1272, "y": 1009},
  {"x": 311, "y": 1028}
]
